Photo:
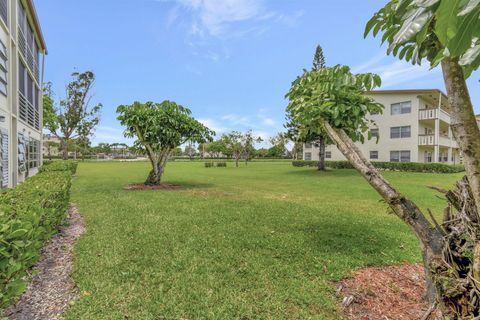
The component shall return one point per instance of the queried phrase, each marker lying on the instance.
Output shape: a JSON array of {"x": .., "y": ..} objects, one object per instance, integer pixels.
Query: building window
[
  {"x": 401, "y": 108},
  {"x": 374, "y": 155},
  {"x": 374, "y": 133},
  {"x": 328, "y": 155},
  {"x": 4, "y": 11},
  {"x": 308, "y": 156},
  {"x": 400, "y": 132},
  {"x": 3, "y": 68},
  {"x": 428, "y": 156},
  {"x": 33, "y": 153},
  {"x": 308, "y": 145},
  {"x": 400, "y": 156}
]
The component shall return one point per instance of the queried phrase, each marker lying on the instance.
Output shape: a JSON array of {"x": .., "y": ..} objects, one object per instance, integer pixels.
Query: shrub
[
  {"x": 209, "y": 164},
  {"x": 222, "y": 164},
  {"x": 64, "y": 165},
  {"x": 29, "y": 215},
  {"x": 389, "y": 166}
]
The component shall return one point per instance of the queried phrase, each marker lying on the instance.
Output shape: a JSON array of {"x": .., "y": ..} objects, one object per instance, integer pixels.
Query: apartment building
[
  {"x": 414, "y": 127},
  {"x": 22, "y": 48}
]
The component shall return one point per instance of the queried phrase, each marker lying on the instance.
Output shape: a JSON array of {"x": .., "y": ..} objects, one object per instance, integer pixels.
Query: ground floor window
[
  {"x": 328, "y": 155},
  {"x": 400, "y": 156},
  {"x": 373, "y": 154},
  {"x": 308, "y": 145},
  {"x": 308, "y": 156},
  {"x": 33, "y": 153},
  {"x": 428, "y": 156}
]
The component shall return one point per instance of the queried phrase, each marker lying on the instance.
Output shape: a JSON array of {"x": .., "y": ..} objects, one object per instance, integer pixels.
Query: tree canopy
[{"x": 159, "y": 128}]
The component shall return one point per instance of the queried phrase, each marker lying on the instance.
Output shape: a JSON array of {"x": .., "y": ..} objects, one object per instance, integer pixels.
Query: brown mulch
[
  {"x": 163, "y": 186},
  {"x": 51, "y": 289},
  {"x": 383, "y": 293}
]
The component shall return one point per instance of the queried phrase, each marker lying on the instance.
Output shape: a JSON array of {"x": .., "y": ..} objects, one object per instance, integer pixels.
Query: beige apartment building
[
  {"x": 22, "y": 48},
  {"x": 414, "y": 127}
]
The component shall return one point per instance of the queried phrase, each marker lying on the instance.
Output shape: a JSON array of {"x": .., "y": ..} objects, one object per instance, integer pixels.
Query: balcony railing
[
  {"x": 431, "y": 114},
  {"x": 27, "y": 112},
  {"x": 426, "y": 140},
  {"x": 27, "y": 53}
]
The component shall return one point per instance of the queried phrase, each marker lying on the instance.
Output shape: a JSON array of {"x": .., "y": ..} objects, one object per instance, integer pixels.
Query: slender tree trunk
[
  {"x": 50, "y": 153},
  {"x": 321, "y": 154},
  {"x": 65, "y": 149},
  {"x": 430, "y": 237},
  {"x": 463, "y": 123}
]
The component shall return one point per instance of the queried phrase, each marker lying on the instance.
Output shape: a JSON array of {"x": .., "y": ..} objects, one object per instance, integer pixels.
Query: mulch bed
[
  {"x": 163, "y": 186},
  {"x": 51, "y": 289},
  {"x": 384, "y": 293}
]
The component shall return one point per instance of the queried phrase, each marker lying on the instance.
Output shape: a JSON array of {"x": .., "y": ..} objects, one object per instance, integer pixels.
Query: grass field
[{"x": 259, "y": 242}]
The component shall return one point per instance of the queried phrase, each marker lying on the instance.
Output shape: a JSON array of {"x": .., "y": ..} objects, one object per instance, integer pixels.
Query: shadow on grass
[
  {"x": 180, "y": 185},
  {"x": 328, "y": 172}
]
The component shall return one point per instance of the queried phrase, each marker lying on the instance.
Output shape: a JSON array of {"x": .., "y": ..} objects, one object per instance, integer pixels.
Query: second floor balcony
[
  {"x": 430, "y": 140},
  {"x": 433, "y": 114}
]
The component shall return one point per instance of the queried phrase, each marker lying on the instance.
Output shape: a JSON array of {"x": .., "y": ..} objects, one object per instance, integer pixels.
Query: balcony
[
  {"x": 426, "y": 140},
  {"x": 429, "y": 140},
  {"x": 432, "y": 114}
]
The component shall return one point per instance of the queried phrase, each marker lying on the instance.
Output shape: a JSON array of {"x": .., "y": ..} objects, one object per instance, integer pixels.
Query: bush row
[
  {"x": 389, "y": 166},
  {"x": 219, "y": 164},
  {"x": 64, "y": 165},
  {"x": 29, "y": 215}
]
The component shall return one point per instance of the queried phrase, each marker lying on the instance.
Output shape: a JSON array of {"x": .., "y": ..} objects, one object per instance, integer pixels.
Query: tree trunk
[
  {"x": 155, "y": 176},
  {"x": 463, "y": 123},
  {"x": 321, "y": 154},
  {"x": 50, "y": 153},
  {"x": 65, "y": 149},
  {"x": 430, "y": 237}
]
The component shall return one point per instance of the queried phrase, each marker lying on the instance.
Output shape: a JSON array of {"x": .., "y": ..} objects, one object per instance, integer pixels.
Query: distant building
[
  {"x": 21, "y": 47},
  {"x": 414, "y": 127},
  {"x": 51, "y": 146}
]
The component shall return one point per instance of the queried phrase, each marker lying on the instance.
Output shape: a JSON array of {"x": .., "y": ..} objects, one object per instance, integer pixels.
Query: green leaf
[
  {"x": 469, "y": 7},
  {"x": 414, "y": 21},
  {"x": 446, "y": 25}
]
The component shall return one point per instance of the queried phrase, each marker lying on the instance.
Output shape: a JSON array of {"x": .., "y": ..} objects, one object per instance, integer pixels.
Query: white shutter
[
  {"x": 4, "y": 158},
  {"x": 21, "y": 154}
]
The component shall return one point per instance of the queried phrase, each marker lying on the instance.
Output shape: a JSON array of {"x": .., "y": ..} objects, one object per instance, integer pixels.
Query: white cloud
[
  {"x": 109, "y": 135},
  {"x": 213, "y": 125},
  {"x": 398, "y": 72},
  {"x": 269, "y": 122}
]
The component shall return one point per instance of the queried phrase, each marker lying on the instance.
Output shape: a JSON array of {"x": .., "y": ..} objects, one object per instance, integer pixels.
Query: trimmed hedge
[
  {"x": 212, "y": 164},
  {"x": 29, "y": 215},
  {"x": 389, "y": 166},
  {"x": 64, "y": 165}
]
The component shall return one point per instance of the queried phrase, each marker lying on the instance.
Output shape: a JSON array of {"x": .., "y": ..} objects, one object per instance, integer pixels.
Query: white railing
[
  {"x": 444, "y": 116},
  {"x": 27, "y": 112},
  {"x": 427, "y": 114},
  {"x": 426, "y": 140},
  {"x": 28, "y": 55},
  {"x": 445, "y": 141}
]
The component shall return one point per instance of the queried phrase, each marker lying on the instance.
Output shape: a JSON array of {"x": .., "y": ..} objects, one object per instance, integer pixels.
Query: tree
[
  {"x": 248, "y": 141},
  {"x": 279, "y": 145},
  {"x": 190, "y": 151},
  {"x": 261, "y": 153},
  {"x": 217, "y": 148},
  {"x": 233, "y": 145},
  {"x": 312, "y": 133},
  {"x": 73, "y": 117},
  {"x": 447, "y": 33},
  {"x": 159, "y": 128},
  {"x": 50, "y": 145}
]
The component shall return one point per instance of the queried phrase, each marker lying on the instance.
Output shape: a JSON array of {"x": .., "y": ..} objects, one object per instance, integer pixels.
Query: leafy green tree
[
  {"x": 233, "y": 145},
  {"x": 447, "y": 33},
  {"x": 279, "y": 145},
  {"x": 73, "y": 117},
  {"x": 50, "y": 145},
  {"x": 261, "y": 153},
  {"x": 312, "y": 133},
  {"x": 176, "y": 152},
  {"x": 190, "y": 151},
  {"x": 159, "y": 128},
  {"x": 217, "y": 148},
  {"x": 248, "y": 145}
]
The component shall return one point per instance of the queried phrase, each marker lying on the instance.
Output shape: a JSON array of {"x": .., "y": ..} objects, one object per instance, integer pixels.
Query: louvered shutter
[
  {"x": 21, "y": 154},
  {"x": 4, "y": 158}
]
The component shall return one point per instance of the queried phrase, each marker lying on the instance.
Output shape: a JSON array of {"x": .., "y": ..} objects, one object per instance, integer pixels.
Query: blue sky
[{"x": 230, "y": 61}]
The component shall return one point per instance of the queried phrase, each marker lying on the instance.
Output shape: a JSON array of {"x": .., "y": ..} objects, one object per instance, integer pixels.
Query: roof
[
  {"x": 36, "y": 24},
  {"x": 407, "y": 91}
]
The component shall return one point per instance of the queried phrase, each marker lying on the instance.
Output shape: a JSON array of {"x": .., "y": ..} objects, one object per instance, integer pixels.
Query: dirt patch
[
  {"x": 50, "y": 291},
  {"x": 163, "y": 186},
  {"x": 394, "y": 292}
]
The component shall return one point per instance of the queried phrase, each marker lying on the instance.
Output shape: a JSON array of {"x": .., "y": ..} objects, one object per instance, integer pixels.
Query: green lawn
[{"x": 259, "y": 242}]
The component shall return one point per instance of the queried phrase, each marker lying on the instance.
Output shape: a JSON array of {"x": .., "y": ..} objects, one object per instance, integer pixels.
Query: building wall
[
  {"x": 11, "y": 123},
  {"x": 384, "y": 122}
]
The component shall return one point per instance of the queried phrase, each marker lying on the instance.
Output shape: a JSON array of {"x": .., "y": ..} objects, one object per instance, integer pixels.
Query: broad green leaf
[
  {"x": 413, "y": 23},
  {"x": 470, "y": 55},
  {"x": 446, "y": 20},
  {"x": 469, "y": 7}
]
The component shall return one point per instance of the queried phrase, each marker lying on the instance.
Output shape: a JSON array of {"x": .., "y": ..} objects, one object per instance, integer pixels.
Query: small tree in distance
[{"x": 159, "y": 128}]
